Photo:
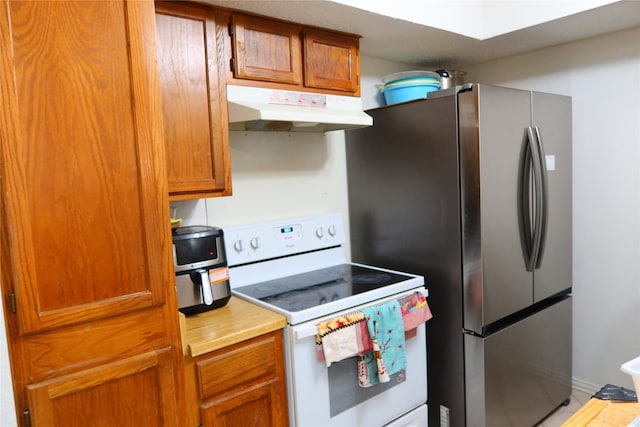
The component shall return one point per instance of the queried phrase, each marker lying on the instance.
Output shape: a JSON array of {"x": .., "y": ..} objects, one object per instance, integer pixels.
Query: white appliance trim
[{"x": 296, "y": 111}]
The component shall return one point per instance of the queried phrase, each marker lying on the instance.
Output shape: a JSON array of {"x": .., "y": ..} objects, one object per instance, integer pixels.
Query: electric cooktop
[{"x": 302, "y": 291}]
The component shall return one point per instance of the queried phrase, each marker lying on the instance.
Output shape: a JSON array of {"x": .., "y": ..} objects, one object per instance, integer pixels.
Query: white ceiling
[{"x": 422, "y": 45}]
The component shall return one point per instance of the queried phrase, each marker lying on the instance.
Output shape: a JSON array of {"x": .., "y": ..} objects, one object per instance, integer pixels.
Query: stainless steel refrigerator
[{"x": 471, "y": 188}]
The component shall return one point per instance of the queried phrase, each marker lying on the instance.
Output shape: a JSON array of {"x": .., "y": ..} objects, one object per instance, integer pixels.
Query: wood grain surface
[
  {"x": 604, "y": 413},
  {"x": 238, "y": 321}
]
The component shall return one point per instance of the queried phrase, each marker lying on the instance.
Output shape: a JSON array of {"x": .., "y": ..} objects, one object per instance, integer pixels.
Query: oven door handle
[{"x": 303, "y": 332}]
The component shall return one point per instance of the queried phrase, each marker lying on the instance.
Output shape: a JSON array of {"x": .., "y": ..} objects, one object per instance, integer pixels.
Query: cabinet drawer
[{"x": 242, "y": 364}]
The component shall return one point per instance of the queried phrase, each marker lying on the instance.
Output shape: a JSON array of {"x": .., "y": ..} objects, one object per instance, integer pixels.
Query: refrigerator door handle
[
  {"x": 532, "y": 199},
  {"x": 543, "y": 198},
  {"x": 538, "y": 189},
  {"x": 525, "y": 200}
]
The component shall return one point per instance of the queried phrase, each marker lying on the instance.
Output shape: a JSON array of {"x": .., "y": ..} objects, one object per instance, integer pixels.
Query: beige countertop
[{"x": 237, "y": 321}]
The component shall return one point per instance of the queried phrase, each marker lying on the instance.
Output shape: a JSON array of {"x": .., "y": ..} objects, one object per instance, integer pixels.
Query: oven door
[{"x": 329, "y": 397}]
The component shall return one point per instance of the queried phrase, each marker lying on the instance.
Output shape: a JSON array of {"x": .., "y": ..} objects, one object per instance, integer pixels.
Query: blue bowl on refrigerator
[{"x": 398, "y": 94}]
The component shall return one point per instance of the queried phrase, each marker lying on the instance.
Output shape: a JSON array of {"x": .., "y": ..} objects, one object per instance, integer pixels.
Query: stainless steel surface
[
  {"x": 404, "y": 214},
  {"x": 191, "y": 297},
  {"x": 451, "y": 78},
  {"x": 555, "y": 272},
  {"x": 452, "y": 216},
  {"x": 503, "y": 117},
  {"x": 517, "y": 376},
  {"x": 197, "y": 252}
]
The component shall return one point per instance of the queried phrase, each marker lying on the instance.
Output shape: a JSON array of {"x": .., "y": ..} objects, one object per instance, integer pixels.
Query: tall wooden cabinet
[{"x": 87, "y": 279}]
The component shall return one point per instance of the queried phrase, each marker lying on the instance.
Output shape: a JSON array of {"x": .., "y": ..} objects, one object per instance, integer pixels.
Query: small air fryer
[{"x": 202, "y": 275}]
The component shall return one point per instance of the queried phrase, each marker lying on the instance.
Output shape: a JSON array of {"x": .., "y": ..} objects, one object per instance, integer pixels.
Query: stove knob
[
  {"x": 238, "y": 246},
  {"x": 332, "y": 230},
  {"x": 255, "y": 243},
  {"x": 319, "y": 233}
]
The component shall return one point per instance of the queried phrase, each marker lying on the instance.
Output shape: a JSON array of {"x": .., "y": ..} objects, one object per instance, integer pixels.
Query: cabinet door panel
[
  {"x": 194, "y": 104},
  {"x": 258, "y": 406},
  {"x": 88, "y": 232},
  {"x": 133, "y": 392},
  {"x": 266, "y": 50},
  {"x": 255, "y": 360},
  {"x": 117, "y": 337},
  {"x": 331, "y": 61}
]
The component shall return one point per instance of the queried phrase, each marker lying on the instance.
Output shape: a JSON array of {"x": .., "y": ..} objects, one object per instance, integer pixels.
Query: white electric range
[{"x": 297, "y": 267}]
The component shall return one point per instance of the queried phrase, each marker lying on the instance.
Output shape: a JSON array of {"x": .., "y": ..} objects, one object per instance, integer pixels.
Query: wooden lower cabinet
[
  {"x": 255, "y": 406},
  {"x": 240, "y": 385},
  {"x": 134, "y": 392}
]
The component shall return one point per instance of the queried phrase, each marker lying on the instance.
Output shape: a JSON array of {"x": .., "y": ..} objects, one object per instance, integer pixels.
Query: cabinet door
[
  {"x": 331, "y": 61},
  {"x": 266, "y": 50},
  {"x": 135, "y": 392},
  {"x": 244, "y": 384},
  {"x": 193, "y": 102},
  {"x": 84, "y": 180},
  {"x": 258, "y": 406}
]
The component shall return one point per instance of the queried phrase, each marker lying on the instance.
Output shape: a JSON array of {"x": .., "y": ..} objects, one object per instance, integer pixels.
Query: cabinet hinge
[
  {"x": 232, "y": 65},
  {"x": 230, "y": 27},
  {"x": 26, "y": 418},
  {"x": 12, "y": 302}
]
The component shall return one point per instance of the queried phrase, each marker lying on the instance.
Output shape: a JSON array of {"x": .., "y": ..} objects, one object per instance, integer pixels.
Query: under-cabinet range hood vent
[{"x": 261, "y": 109}]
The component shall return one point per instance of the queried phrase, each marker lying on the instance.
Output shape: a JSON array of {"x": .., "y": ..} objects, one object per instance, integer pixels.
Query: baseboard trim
[{"x": 584, "y": 386}]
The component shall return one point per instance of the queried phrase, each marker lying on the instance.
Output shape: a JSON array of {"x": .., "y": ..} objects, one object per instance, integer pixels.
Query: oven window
[{"x": 344, "y": 391}]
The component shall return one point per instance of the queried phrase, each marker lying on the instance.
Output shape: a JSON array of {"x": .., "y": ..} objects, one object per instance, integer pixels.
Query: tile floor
[{"x": 578, "y": 398}]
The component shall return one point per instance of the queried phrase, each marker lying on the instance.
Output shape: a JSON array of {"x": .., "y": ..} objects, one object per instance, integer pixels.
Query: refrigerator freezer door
[
  {"x": 519, "y": 375},
  {"x": 493, "y": 124},
  {"x": 552, "y": 116}
]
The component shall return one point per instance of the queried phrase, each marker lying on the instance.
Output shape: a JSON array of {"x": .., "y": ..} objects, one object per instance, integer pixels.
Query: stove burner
[{"x": 370, "y": 279}]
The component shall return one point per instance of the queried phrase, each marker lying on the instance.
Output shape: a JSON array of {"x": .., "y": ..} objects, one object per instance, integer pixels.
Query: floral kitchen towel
[
  {"x": 415, "y": 311},
  {"x": 342, "y": 337},
  {"x": 386, "y": 329}
]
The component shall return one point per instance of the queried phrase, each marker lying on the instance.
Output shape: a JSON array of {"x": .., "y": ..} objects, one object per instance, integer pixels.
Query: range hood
[{"x": 261, "y": 109}]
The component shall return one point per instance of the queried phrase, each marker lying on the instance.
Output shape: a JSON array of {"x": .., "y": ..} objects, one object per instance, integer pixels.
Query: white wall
[
  {"x": 277, "y": 175},
  {"x": 603, "y": 77}
]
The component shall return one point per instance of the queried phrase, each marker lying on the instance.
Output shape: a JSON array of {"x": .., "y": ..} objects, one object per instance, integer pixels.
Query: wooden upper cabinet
[
  {"x": 292, "y": 56},
  {"x": 331, "y": 61},
  {"x": 266, "y": 50},
  {"x": 193, "y": 102},
  {"x": 83, "y": 161}
]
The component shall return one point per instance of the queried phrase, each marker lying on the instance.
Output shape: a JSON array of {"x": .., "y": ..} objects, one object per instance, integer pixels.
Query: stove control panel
[{"x": 259, "y": 242}]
